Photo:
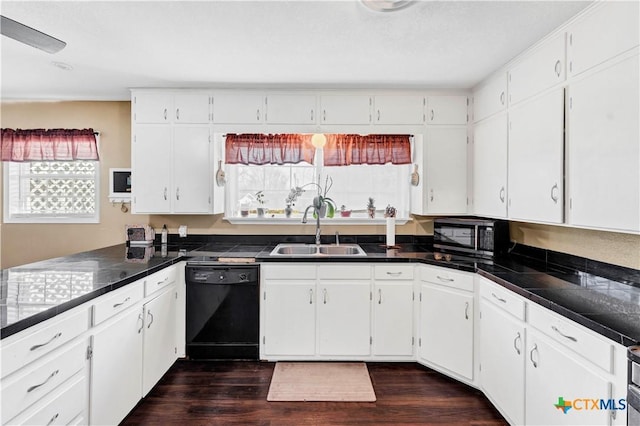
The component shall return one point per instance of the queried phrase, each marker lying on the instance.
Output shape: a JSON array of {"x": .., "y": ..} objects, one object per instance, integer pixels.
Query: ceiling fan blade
[{"x": 30, "y": 36}]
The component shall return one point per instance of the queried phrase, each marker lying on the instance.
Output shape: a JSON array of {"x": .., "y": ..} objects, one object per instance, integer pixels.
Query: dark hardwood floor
[{"x": 221, "y": 393}]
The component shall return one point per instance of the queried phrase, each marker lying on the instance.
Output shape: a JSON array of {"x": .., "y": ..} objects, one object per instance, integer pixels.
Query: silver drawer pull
[
  {"x": 311, "y": 296},
  {"x": 515, "y": 346},
  {"x": 535, "y": 349},
  {"x": 34, "y": 347},
  {"x": 394, "y": 274},
  {"x": 149, "y": 314},
  {"x": 53, "y": 419},
  {"x": 379, "y": 296},
  {"x": 573, "y": 339},
  {"x": 466, "y": 310},
  {"x": 163, "y": 281},
  {"x": 499, "y": 298},
  {"x": 116, "y": 305},
  {"x": 447, "y": 280},
  {"x": 51, "y": 376},
  {"x": 141, "y": 320},
  {"x": 324, "y": 296}
]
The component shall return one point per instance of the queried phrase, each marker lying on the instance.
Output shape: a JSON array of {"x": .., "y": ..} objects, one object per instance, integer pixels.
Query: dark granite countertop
[{"x": 610, "y": 306}]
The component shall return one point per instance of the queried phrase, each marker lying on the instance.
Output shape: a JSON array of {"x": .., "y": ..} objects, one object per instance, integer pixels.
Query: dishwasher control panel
[{"x": 221, "y": 274}]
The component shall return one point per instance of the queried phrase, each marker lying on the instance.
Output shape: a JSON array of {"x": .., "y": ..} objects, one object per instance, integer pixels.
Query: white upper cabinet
[
  {"x": 447, "y": 110},
  {"x": 238, "y": 108},
  {"x": 152, "y": 107},
  {"x": 538, "y": 70},
  {"x": 191, "y": 170},
  {"x": 345, "y": 109},
  {"x": 604, "y": 152},
  {"x": 192, "y": 108},
  {"x": 602, "y": 33},
  {"x": 151, "y": 169},
  {"x": 399, "y": 109},
  {"x": 491, "y": 97},
  {"x": 536, "y": 159},
  {"x": 490, "y": 167},
  {"x": 446, "y": 170},
  {"x": 291, "y": 109}
]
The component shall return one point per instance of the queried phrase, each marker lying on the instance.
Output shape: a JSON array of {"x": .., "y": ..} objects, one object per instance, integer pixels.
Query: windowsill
[{"x": 254, "y": 220}]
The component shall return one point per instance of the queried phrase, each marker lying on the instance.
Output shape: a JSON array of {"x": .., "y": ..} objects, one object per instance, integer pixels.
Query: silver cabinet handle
[
  {"x": 573, "y": 339},
  {"x": 51, "y": 376},
  {"x": 394, "y": 274},
  {"x": 34, "y": 347},
  {"x": 165, "y": 193},
  {"x": 311, "y": 115},
  {"x": 163, "y": 281},
  {"x": 324, "y": 296},
  {"x": 177, "y": 113},
  {"x": 149, "y": 314},
  {"x": 116, "y": 305},
  {"x": 466, "y": 310},
  {"x": 535, "y": 349},
  {"x": 53, "y": 419},
  {"x": 499, "y": 298},
  {"x": 141, "y": 320},
  {"x": 558, "y": 67},
  {"x": 324, "y": 115},
  {"x": 165, "y": 114},
  {"x": 379, "y": 296},
  {"x": 445, "y": 279},
  {"x": 178, "y": 193},
  {"x": 311, "y": 296},
  {"x": 258, "y": 114},
  {"x": 432, "y": 115},
  {"x": 502, "y": 194},
  {"x": 554, "y": 193},
  {"x": 431, "y": 194},
  {"x": 502, "y": 98},
  {"x": 515, "y": 346},
  {"x": 378, "y": 115}
]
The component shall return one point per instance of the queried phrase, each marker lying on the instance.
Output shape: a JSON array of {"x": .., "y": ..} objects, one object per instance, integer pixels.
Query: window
[{"x": 51, "y": 192}]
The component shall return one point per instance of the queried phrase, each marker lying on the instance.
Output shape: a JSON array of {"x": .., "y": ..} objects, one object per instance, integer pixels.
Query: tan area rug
[{"x": 321, "y": 381}]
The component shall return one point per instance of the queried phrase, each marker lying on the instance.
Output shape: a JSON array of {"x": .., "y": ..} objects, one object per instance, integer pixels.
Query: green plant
[
  {"x": 371, "y": 203},
  {"x": 323, "y": 199}
]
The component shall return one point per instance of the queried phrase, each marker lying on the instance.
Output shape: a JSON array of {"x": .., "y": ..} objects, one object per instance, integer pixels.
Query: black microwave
[{"x": 485, "y": 238}]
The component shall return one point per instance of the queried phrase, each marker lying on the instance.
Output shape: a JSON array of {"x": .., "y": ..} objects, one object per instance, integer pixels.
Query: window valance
[
  {"x": 344, "y": 150},
  {"x": 262, "y": 149},
  {"x": 22, "y": 145}
]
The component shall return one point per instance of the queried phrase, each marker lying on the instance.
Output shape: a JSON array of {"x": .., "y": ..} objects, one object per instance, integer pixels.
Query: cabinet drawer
[
  {"x": 34, "y": 382},
  {"x": 503, "y": 298},
  {"x": 344, "y": 271},
  {"x": 447, "y": 277},
  {"x": 289, "y": 272},
  {"x": 117, "y": 301},
  {"x": 572, "y": 335},
  {"x": 64, "y": 406},
  {"x": 393, "y": 272},
  {"x": 159, "y": 280},
  {"x": 31, "y": 344}
]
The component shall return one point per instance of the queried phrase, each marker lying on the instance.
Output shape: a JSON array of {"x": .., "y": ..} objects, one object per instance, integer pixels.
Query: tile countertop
[{"x": 35, "y": 292}]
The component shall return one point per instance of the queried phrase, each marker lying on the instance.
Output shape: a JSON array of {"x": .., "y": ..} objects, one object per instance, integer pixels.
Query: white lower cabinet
[
  {"x": 393, "y": 318},
  {"x": 446, "y": 320}
]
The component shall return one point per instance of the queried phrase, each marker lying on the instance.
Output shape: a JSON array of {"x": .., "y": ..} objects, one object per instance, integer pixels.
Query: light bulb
[{"x": 318, "y": 140}]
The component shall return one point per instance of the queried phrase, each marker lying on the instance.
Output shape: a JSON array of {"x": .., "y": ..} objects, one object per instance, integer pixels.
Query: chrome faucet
[{"x": 316, "y": 206}]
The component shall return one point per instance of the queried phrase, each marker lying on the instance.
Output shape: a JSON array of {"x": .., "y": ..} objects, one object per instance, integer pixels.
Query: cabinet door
[
  {"x": 490, "y": 97},
  {"x": 291, "y": 109},
  {"x": 446, "y": 328},
  {"x": 399, "y": 109},
  {"x": 536, "y": 159},
  {"x": 490, "y": 167},
  {"x": 554, "y": 375},
  {"x": 344, "y": 318},
  {"x": 290, "y": 318},
  {"x": 160, "y": 350},
  {"x": 502, "y": 352},
  {"x": 191, "y": 170},
  {"x": 116, "y": 368},
  {"x": 538, "y": 70},
  {"x": 152, "y": 107},
  {"x": 191, "y": 108},
  {"x": 604, "y": 153},
  {"x": 606, "y": 31},
  {"x": 447, "y": 110},
  {"x": 446, "y": 170},
  {"x": 345, "y": 109},
  {"x": 393, "y": 319},
  {"x": 151, "y": 169},
  {"x": 237, "y": 109}
]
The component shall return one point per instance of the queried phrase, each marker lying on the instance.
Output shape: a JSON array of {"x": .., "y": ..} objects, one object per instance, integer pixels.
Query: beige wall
[
  {"x": 25, "y": 243},
  {"x": 20, "y": 244}
]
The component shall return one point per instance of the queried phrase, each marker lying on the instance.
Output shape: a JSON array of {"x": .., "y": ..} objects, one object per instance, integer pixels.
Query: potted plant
[
  {"x": 261, "y": 209},
  {"x": 290, "y": 201},
  {"x": 371, "y": 207},
  {"x": 327, "y": 207},
  {"x": 344, "y": 212}
]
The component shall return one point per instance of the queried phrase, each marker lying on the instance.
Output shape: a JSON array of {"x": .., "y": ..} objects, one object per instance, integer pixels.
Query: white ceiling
[{"x": 113, "y": 46}]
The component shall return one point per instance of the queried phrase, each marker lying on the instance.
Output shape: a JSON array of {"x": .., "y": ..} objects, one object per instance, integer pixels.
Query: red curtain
[
  {"x": 343, "y": 150},
  {"x": 268, "y": 149},
  {"x": 49, "y": 145}
]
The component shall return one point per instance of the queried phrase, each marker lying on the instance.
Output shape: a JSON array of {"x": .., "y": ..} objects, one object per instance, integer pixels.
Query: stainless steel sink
[{"x": 310, "y": 250}]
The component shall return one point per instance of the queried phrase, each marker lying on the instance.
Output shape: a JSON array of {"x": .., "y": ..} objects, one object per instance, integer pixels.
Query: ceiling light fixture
[
  {"x": 30, "y": 36},
  {"x": 62, "y": 65},
  {"x": 386, "y": 5},
  {"x": 318, "y": 140}
]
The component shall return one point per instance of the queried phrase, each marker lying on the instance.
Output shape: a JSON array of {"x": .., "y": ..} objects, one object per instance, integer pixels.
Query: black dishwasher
[{"x": 222, "y": 311}]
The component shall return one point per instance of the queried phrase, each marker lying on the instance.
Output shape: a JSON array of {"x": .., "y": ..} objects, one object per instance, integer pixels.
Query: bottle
[{"x": 165, "y": 234}]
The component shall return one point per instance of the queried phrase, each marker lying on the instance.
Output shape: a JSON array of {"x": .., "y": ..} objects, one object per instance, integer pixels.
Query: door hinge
[
  {"x": 467, "y": 118},
  {"x": 176, "y": 295},
  {"x": 421, "y": 297},
  {"x": 413, "y": 341},
  {"x": 89, "y": 352},
  {"x": 264, "y": 340},
  {"x": 371, "y": 340},
  {"x": 175, "y": 350},
  {"x": 480, "y": 367},
  {"x": 370, "y": 296},
  {"x": 413, "y": 295},
  {"x": 420, "y": 342},
  {"x": 264, "y": 296}
]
